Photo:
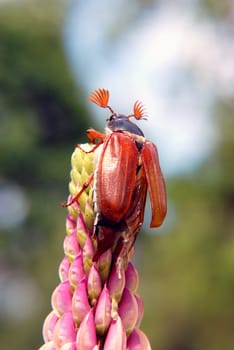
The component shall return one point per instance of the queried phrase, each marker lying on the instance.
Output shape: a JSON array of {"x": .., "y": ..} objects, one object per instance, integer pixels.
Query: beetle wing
[
  {"x": 156, "y": 184},
  {"x": 135, "y": 215},
  {"x": 116, "y": 175}
]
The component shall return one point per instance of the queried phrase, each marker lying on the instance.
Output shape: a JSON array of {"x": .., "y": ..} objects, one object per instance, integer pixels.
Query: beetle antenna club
[
  {"x": 101, "y": 98},
  {"x": 138, "y": 111}
]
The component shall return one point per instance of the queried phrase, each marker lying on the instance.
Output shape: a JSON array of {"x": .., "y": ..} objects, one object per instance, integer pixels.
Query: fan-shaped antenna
[
  {"x": 138, "y": 111},
  {"x": 101, "y": 98}
]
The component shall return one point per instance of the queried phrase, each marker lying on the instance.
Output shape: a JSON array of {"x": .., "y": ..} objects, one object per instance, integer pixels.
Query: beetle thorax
[{"x": 119, "y": 122}]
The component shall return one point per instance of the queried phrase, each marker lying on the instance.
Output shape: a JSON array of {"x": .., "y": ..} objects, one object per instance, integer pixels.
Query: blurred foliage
[
  {"x": 187, "y": 278},
  {"x": 190, "y": 278},
  {"x": 188, "y": 284},
  {"x": 42, "y": 116},
  {"x": 221, "y": 10}
]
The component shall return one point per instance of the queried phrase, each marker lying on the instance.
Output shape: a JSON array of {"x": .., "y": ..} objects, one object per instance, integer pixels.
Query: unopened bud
[
  {"x": 116, "y": 336},
  {"x": 61, "y": 298},
  {"x": 63, "y": 269},
  {"x": 48, "y": 326},
  {"x": 80, "y": 303},
  {"x": 140, "y": 305},
  {"x": 76, "y": 271},
  {"x": 86, "y": 335},
  {"x": 48, "y": 346},
  {"x": 128, "y": 310},
  {"x": 71, "y": 246},
  {"x": 132, "y": 278},
  {"x": 116, "y": 283},
  {"x": 88, "y": 253},
  {"x": 103, "y": 311},
  {"x": 89, "y": 213},
  {"x": 94, "y": 284},
  {"x": 69, "y": 346},
  {"x": 64, "y": 331},
  {"x": 81, "y": 225},
  {"x": 70, "y": 224},
  {"x": 138, "y": 341},
  {"x": 104, "y": 264}
]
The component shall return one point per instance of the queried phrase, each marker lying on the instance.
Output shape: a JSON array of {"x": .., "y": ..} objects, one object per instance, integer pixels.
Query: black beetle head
[{"x": 121, "y": 122}]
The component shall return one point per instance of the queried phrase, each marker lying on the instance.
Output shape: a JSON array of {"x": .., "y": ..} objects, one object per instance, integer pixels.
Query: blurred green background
[{"x": 186, "y": 274}]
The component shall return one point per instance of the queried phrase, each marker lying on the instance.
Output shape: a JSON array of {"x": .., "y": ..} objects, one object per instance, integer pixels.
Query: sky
[{"x": 176, "y": 63}]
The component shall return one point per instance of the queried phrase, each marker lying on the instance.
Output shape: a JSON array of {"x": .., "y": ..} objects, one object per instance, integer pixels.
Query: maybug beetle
[{"x": 126, "y": 166}]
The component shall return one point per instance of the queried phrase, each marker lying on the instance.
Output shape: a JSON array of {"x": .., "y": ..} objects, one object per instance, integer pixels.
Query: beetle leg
[
  {"x": 123, "y": 252},
  {"x": 75, "y": 199},
  {"x": 97, "y": 220},
  {"x": 95, "y": 135},
  {"x": 90, "y": 151}
]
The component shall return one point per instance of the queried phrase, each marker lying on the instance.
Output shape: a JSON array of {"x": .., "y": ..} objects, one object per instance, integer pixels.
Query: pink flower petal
[
  {"x": 71, "y": 246},
  {"x": 63, "y": 269},
  {"x": 69, "y": 346},
  {"x": 138, "y": 341},
  {"x": 61, "y": 298},
  {"x": 116, "y": 336},
  {"x": 132, "y": 278},
  {"x": 64, "y": 331},
  {"x": 81, "y": 226},
  {"x": 86, "y": 335},
  {"x": 48, "y": 346},
  {"x": 76, "y": 271},
  {"x": 48, "y": 326},
  {"x": 104, "y": 264},
  {"x": 80, "y": 302},
  {"x": 88, "y": 253},
  {"x": 103, "y": 311},
  {"x": 128, "y": 310},
  {"x": 70, "y": 223},
  {"x": 94, "y": 284},
  {"x": 96, "y": 347},
  {"x": 116, "y": 283},
  {"x": 140, "y": 305}
]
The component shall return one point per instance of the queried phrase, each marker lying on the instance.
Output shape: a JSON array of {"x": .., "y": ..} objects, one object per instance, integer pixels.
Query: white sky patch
[{"x": 174, "y": 64}]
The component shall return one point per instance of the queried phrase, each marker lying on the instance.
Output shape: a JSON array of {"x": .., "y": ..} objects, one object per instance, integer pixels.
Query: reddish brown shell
[
  {"x": 116, "y": 174},
  {"x": 155, "y": 182}
]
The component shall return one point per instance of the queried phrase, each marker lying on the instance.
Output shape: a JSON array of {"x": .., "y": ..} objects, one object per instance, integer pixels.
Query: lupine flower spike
[{"x": 95, "y": 305}]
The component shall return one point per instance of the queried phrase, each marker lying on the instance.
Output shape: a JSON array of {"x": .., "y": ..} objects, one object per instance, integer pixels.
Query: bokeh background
[{"x": 178, "y": 58}]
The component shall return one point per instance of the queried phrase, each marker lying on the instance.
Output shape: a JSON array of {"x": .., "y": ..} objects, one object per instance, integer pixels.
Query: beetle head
[
  {"x": 117, "y": 122},
  {"x": 120, "y": 122}
]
